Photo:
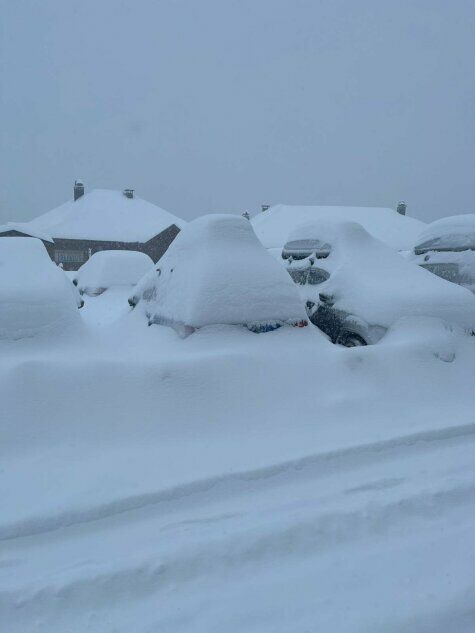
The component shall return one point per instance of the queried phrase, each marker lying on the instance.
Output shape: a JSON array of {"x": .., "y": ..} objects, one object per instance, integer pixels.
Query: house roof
[
  {"x": 26, "y": 229},
  {"x": 105, "y": 214},
  {"x": 273, "y": 226}
]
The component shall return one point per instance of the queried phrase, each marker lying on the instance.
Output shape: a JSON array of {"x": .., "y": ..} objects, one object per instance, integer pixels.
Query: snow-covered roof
[
  {"x": 105, "y": 214},
  {"x": 273, "y": 226},
  {"x": 26, "y": 229}
]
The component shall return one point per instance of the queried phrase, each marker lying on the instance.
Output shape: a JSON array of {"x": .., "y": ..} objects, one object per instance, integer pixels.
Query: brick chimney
[
  {"x": 401, "y": 208},
  {"x": 78, "y": 189},
  {"x": 128, "y": 193}
]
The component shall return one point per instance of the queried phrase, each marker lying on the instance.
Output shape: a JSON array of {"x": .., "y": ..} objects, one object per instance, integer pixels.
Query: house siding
[{"x": 72, "y": 253}]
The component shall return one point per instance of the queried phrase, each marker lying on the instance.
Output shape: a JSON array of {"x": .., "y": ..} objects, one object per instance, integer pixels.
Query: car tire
[{"x": 351, "y": 339}]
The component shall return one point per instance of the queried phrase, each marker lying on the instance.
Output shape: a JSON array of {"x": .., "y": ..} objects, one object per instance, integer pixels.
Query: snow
[
  {"x": 371, "y": 281},
  {"x": 455, "y": 232},
  {"x": 35, "y": 295},
  {"x": 112, "y": 268},
  {"x": 217, "y": 272},
  {"x": 27, "y": 229},
  {"x": 233, "y": 482},
  {"x": 108, "y": 215},
  {"x": 273, "y": 226}
]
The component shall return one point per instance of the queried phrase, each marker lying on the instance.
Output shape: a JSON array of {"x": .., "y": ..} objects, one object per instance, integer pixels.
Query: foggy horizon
[{"x": 224, "y": 106}]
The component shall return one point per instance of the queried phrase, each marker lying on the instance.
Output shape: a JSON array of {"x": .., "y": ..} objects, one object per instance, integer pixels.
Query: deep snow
[{"x": 233, "y": 481}]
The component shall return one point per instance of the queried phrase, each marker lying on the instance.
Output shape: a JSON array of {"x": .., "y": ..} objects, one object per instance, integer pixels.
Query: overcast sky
[{"x": 221, "y": 105}]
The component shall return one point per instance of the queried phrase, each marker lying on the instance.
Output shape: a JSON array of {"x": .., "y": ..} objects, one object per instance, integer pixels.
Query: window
[{"x": 69, "y": 257}]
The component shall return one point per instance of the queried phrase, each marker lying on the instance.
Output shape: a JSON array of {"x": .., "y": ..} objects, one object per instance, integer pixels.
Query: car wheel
[{"x": 351, "y": 339}]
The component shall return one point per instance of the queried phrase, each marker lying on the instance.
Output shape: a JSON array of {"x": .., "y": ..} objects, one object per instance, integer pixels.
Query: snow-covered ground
[{"x": 233, "y": 481}]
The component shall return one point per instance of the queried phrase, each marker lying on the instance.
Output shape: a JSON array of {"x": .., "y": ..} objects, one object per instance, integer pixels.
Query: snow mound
[
  {"x": 456, "y": 233},
  {"x": 112, "y": 268},
  {"x": 217, "y": 272},
  {"x": 370, "y": 280},
  {"x": 103, "y": 214},
  {"x": 35, "y": 295},
  {"x": 397, "y": 231}
]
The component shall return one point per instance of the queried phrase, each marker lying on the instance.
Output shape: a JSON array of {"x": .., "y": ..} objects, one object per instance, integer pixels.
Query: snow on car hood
[
  {"x": 35, "y": 295},
  {"x": 217, "y": 272},
  {"x": 371, "y": 281},
  {"x": 455, "y": 232}
]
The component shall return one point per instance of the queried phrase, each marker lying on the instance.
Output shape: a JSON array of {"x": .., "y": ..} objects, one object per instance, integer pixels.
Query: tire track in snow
[
  {"x": 315, "y": 534},
  {"x": 308, "y": 466}
]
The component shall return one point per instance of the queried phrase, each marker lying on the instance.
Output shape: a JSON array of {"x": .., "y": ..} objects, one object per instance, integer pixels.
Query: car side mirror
[{"x": 328, "y": 300}]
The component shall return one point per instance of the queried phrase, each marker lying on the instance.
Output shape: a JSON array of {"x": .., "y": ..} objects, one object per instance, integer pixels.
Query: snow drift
[{"x": 35, "y": 295}]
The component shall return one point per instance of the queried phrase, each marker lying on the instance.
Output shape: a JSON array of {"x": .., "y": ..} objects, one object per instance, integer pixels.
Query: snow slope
[
  {"x": 274, "y": 225},
  {"x": 231, "y": 481},
  {"x": 105, "y": 214}
]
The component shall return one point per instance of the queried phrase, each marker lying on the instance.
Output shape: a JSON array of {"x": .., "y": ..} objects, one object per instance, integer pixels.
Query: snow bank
[
  {"x": 112, "y": 268},
  {"x": 397, "y": 231},
  {"x": 216, "y": 271},
  {"x": 454, "y": 233},
  {"x": 35, "y": 295},
  {"x": 105, "y": 215},
  {"x": 371, "y": 281}
]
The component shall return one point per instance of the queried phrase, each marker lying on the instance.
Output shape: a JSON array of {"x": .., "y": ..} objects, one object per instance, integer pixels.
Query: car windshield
[
  {"x": 311, "y": 275},
  {"x": 299, "y": 249}
]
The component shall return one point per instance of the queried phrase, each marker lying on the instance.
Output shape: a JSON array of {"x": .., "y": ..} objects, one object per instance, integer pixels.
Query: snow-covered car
[
  {"x": 357, "y": 287},
  {"x": 217, "y": 272},
  {"x": 114, "y": 268},
  {"x": 35, "y": 295},
  {"x": 447, "y": 249}
]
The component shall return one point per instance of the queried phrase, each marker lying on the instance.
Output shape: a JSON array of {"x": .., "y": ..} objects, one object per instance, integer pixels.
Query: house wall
[{"x": 73, "y": 253}]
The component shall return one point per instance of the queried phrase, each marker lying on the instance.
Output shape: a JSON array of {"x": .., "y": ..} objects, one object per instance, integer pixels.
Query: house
[
  {"x": 100, "y": 220},
  {"x": 393, "y": 227}
]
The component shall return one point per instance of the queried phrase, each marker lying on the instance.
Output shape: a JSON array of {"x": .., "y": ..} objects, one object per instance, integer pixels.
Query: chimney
[
  {"x": 264, "y": 207},
  {"x": 128, "y": 193},
  {"x": 401, "y": 208},
  {"x": 78, "y": 189}
]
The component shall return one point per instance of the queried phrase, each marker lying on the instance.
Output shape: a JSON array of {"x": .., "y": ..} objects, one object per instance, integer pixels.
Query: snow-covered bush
[
  {"x": 35, "y": 295},
  {"x": 107, "y": 269},
  {"x": 217, "y": 272}
]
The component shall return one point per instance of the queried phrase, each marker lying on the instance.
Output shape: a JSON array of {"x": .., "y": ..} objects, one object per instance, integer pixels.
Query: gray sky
[{"x": 221, "y": 105}]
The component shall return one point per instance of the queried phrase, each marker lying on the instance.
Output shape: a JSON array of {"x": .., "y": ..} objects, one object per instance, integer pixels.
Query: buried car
[
  {"x": 114, "y": 268},
  {"x": 217, "y": 272},
  {"x": 357, "y": 287},
  {"x": 35, "y": 295},
  {"x": 447, "y": 249}
]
